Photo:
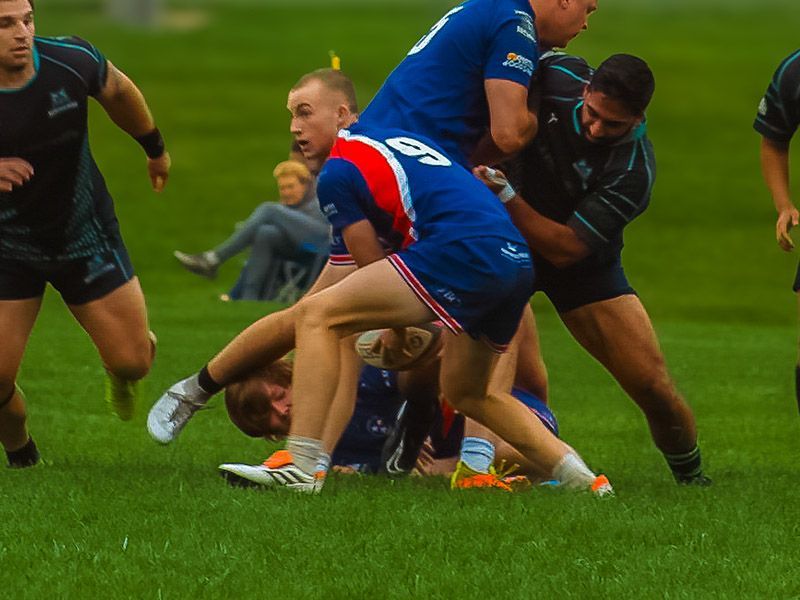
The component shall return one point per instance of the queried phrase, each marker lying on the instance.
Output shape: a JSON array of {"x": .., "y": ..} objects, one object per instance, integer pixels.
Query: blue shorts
[
  {"x": 78, "y": 281},
  {"x": 477, "y": 285},
  {"x": 581, "y": 284}
]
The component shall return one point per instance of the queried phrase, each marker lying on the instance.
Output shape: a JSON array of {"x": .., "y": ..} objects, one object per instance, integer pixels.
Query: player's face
[
  {"x": 291, "y": 190},
  {"x": 569, "y": 20},
  {"x": 317, "y": 115},
  {"x": 16, "y": 34},
  {"x": 280, "y": 414},
  {"x": 605, "y": 120}
]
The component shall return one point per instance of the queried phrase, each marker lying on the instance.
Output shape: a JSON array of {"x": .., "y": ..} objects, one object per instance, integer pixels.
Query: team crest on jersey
[
  {"x": 517, "y": 61},
  {"x": 762, "y": 107},
  {"x": 60, "y": 103}
]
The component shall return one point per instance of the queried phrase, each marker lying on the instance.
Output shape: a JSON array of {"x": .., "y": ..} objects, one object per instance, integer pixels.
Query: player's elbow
[{"x": 510, "y": 140}]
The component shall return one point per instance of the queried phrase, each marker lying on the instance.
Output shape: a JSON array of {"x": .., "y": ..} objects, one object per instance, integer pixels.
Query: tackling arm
[
  {"x": 775, "y": 169},
  {"x": 512, "y": 124}
]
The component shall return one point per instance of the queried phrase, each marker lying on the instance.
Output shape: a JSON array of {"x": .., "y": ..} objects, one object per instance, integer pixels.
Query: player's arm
[
  {"x": 363, "y": 243},
  {"x": 127, "y": 107},
  {"x": 559, "y": 244},
  {"x": 512, "y": 123},
  {"x": 775, "y": 169}
]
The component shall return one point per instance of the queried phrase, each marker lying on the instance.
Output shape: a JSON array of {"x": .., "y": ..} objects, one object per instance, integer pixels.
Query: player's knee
[
  {"x": 132, "y": 365},
  {"x": 312, "y": 312}
]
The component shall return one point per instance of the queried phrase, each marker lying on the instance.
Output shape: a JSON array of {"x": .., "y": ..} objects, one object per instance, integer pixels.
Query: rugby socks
[
  {"x": 27, "y": 456},
  {"x": 205, "y": 383},
  {"x": 797, "y": 385},
  {"x": 307, "y": 453},
  {"x": 572, "y": 472},
  {"x": 686, "y": 467},
  {"x": 477, "y": 454}
]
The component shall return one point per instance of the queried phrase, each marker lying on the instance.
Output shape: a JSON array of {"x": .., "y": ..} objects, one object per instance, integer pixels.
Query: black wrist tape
[{"x": 152, "y": 143}]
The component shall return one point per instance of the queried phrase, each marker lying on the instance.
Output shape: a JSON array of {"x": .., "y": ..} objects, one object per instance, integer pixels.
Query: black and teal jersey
[
  {"x": 64, "y": 212},
  {"x": 595, "y": 189},
  {"x": 779, "y": 110}
]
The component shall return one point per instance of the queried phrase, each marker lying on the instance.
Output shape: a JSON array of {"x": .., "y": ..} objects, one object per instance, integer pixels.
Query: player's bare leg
[
  {"x": 619, "y": 334},
  {"x": 531, "y": 373},
  {"x": 263, "y": 342},
  {"x": 16, "y": 321},
  {"x": 117, "y": 324},
  {"x": 341, "y": 410}
]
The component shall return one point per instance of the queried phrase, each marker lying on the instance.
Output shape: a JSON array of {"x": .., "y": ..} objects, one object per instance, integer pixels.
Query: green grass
[{"x": 113, "y": 515}]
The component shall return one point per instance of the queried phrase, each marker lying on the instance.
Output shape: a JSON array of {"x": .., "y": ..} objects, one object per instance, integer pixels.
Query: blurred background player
[
  {"x": 486, "y": 51},
  {"x": 288, "y": 229},
  {"x": 589, "y": 173},
  {"x": 776, "y": 121},
  {"x": 57, "y": 221}
]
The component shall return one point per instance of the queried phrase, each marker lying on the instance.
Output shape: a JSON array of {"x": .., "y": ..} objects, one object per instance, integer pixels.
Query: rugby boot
[
  {"x": 464, "y": 478},
  {"x": 278, "y": 471}
]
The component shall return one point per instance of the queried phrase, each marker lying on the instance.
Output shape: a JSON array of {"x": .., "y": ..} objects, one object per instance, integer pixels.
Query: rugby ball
[{"x": 421, "y": 343}]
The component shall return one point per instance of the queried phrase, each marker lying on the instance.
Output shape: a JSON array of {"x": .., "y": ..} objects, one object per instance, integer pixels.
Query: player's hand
[
  {"x": 787, "y": 218},
  {"x": 392, "y": 345},
  {"x": 494, "y": 179},
  {"x": 158, "y": 169},
  {"x": 14, "y": 172}
]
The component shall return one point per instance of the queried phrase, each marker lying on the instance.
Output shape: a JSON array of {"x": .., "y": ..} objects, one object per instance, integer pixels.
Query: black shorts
[
  {"x": 581, "y": 284},
  {"x": 78, "y": 281}
]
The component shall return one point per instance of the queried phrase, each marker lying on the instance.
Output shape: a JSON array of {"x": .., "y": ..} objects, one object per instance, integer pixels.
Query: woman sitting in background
[{"x": 291, "y": 229}]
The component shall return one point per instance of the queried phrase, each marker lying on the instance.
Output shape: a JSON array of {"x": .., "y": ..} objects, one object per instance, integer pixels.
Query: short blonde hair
[{"x": 292, "y": 168}]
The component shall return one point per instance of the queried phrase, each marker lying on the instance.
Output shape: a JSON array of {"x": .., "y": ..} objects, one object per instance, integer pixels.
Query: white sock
[
  {"x": 572, "y": 472},
  {"x": 306, "y": 452},
  {"x": 191, "y": 388}
]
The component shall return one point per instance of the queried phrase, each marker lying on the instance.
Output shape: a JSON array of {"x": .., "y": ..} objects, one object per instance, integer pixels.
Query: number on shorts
[
  {"x": 426, "y": 39},
  {"x": 422, "y": 152}
]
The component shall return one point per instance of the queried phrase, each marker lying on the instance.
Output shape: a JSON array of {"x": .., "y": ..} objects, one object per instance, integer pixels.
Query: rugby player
[
  {"x": 589, "y": 173},
  {"x": 388, "y": 189},
  {"x": 471, "y": 73},
  {"x": 260, "y": 406},
  {"x": 777, "y": 120},
  {"x": 57, "y": 221}
]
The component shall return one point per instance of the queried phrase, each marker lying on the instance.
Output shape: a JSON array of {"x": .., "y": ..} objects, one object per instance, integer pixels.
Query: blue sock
[{"x": 477, "y": 454}]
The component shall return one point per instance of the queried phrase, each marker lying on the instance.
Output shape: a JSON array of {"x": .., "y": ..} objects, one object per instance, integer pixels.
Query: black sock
[
  {"x": 687, "y": 466},
  {"x": 206, "y": 383},
  {"x": 797, "y": 385},
  {"x": 27, "y": 456}
]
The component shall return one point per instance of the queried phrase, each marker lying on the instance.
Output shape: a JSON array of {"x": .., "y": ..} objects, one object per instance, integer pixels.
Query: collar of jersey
[{"x": 35, "y": 53}]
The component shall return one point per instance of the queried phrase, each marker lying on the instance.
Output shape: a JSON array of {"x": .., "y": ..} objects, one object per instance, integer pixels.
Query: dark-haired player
[
  {"x": 777, "y": 120},
  {"x": 57, "y": 221},
  {"x": 586, "y": 176}
]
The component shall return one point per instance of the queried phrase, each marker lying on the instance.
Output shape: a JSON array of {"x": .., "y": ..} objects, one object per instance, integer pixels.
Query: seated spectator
[{"x": 291, "y": 229}]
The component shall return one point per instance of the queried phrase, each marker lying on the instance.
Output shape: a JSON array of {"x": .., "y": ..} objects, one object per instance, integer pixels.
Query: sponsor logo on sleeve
[
  {"x": 329, "y": 210},
  {"x": 517, "y": 61}
]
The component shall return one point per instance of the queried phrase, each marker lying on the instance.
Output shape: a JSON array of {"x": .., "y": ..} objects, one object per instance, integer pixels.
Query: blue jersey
[
  {"x": 438, "y": 89},
  {"x": 408, "y": 189}
]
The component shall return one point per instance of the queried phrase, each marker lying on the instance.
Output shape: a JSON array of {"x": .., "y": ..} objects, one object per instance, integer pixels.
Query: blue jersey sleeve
[
  {"x": 513, "y": 52},
  {"x": 342, "y": 193}
]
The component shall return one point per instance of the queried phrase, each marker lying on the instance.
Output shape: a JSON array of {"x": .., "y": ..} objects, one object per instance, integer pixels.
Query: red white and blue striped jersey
[{"x": 407, "y": 188}]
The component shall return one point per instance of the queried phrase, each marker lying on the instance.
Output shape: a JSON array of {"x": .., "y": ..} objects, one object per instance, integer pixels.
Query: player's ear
[{"x": 343, "y": 115}]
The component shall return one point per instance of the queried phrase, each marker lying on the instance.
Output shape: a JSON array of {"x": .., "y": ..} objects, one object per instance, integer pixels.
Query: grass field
[{"x": 112, "y": 515}]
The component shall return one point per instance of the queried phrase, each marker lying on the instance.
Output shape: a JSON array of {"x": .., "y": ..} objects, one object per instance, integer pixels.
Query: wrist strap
[
  {"x": 507, "y": 193},
  {"x": 152, "y": 143}
]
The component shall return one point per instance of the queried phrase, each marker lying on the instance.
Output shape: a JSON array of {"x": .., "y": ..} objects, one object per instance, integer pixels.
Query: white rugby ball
[{"x": 421, "y": 342}]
